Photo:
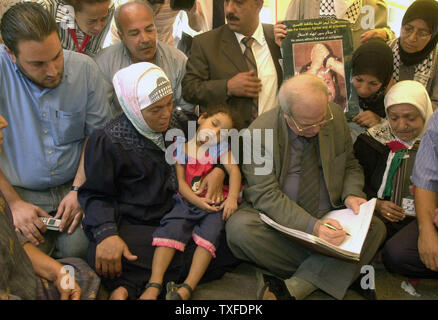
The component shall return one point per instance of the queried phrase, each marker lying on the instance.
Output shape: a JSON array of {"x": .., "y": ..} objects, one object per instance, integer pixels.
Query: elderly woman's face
[
  {"x": 406, "y": 121},
  {"x": 415, "y": 35},
  {"x": 158, "y": 115},
  {"x": 3, "y": 124}
]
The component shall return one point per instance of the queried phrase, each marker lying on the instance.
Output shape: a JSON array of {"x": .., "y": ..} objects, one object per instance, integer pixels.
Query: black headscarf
[
  {"x": 375, "y": 58},
  {"x": 426, "y": 10}
]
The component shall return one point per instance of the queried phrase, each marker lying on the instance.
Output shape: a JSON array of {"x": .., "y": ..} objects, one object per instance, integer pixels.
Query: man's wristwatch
[{"x": 74, "y": 188}]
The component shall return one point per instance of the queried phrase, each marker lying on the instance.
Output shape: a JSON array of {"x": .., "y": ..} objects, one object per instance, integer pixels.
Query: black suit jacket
[{"x": 215, "y": 58}]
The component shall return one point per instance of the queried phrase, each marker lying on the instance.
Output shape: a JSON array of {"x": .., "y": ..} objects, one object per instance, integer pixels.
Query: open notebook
[{"x": 356, "y": 225}]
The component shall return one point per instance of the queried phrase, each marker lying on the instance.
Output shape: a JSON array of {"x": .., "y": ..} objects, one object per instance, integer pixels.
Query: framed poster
[{"x": 323, "y": 47}]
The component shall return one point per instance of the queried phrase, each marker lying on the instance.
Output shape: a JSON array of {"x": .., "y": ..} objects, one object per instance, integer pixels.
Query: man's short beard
[{"x": 37, "y": 83}]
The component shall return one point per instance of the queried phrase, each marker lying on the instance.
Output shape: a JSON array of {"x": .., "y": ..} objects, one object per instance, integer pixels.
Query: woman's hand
[
  {"x": 373, "y": 33},
  {"x": 390, "y": 211},
  {"x": 367, "y": 119},
  {"x": 214, "y": 183},
  {"x": 230, "y": 206},
  {"x": 109, "y": 255},
  {"x": 207, "y": 205}
]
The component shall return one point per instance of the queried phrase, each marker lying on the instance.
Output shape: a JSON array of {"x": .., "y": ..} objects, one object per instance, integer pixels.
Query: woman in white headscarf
[
  {"x": 130, "y": 187},
  {"x": 387, "y": 151}
]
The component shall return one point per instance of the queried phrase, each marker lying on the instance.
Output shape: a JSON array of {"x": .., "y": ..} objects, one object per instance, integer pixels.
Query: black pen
[{"x": 334, "y": 228}]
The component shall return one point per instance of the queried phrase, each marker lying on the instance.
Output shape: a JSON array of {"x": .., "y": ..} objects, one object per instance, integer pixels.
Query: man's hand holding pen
[{"x": 330, "y": 230}]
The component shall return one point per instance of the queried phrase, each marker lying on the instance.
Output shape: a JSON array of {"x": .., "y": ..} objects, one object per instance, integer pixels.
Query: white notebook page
[{"x": 355, "y": 224}]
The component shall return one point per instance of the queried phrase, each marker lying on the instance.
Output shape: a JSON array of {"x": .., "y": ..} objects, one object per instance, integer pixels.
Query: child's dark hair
[{"x": 213, "y": 109}]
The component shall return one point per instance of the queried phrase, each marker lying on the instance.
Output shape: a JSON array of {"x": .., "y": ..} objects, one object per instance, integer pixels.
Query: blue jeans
[{"x": 57, "y": 244}]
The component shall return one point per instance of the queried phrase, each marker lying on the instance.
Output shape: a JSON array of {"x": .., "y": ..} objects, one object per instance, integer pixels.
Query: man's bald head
[
  {"x": 137, "y": 30},
  {"x": 304, "y": 98},
  {"x": 133, "y": 5},
  {"x": 295, "y": 92}
]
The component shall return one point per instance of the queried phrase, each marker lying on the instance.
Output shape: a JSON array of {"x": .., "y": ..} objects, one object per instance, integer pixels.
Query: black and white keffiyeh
[
  {"x": 353, "y": 11},
  {"x": 422, "y": 71},
  {"x": 348, "y": 10},
  {"x": 327, "y": 9}
]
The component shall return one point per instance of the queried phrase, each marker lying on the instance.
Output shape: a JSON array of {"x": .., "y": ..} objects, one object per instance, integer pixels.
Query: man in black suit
[{"x": 237, "y": 63}]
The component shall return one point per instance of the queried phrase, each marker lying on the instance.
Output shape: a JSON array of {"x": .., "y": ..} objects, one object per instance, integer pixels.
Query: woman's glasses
[{"x": 408, "y": 29}]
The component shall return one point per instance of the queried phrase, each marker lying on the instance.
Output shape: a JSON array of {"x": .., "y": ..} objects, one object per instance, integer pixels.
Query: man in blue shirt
[{"x": 53, "y": 100}]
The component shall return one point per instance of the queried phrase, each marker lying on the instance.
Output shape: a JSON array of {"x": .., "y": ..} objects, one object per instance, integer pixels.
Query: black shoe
[
  {"x": 368, "y": 294},
  {"x": 277, "y": 287}
]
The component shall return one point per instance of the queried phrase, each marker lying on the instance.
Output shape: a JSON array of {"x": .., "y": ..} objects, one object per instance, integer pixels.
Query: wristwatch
[{"x": 74, "y": 188}]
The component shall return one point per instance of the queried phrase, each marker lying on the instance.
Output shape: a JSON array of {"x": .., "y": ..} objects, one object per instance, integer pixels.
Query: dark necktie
[
  {"x": 308, "y": 193},
  {"x": 218, "y": 13},
  {"x": 252, "y": 65}
]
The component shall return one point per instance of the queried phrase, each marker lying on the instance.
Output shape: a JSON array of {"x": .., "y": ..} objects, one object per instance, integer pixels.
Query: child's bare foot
[{"x": 119, "y": 294}]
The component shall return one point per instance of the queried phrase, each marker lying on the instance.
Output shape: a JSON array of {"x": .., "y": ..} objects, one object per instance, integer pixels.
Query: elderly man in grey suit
[
  {"x": 237, "y": 63},
  {"x": 314, "y": 170}
]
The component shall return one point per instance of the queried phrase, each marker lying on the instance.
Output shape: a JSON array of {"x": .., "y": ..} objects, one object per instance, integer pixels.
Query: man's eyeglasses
[
  {"x": 407, "y": 30},
  {"x": 312, "y": 126}
]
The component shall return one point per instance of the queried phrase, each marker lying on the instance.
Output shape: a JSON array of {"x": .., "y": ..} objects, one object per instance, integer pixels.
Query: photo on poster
[{"x": 323, "y": 47}]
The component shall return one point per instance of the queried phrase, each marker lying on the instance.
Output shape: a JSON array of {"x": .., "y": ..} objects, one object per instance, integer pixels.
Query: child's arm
[
  {"x": 235, "y": 180},
  {"x": 188, "y": 193}
]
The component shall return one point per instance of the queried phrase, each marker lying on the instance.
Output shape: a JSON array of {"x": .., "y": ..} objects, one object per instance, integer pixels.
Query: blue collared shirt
[
  {"x": 47, "y": 128},
  {"x": 425, "y": 173}
]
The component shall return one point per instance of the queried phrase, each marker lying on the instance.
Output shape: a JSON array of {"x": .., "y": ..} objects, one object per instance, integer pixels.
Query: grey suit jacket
[
  {"x": 343, "y": 174},
  {"x": 215, "y": 58}
]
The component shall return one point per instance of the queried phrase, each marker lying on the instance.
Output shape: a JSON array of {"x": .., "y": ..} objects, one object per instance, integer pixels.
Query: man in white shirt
[{"x": 222, "y": 69}]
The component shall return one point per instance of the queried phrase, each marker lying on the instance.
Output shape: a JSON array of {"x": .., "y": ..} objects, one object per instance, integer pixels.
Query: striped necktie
[
  {"x": 252, "y": 65},
  {"x": 308, "y": 193}
]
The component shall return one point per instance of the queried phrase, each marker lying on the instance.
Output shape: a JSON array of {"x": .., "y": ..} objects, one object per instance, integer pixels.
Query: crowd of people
[{"x": 130, "y": 147}]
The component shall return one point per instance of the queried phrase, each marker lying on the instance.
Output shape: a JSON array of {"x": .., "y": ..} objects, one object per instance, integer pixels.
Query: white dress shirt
[{"x": 265, "y": 69}]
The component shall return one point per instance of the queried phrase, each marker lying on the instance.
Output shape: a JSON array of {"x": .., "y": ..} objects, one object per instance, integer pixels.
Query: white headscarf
[
  {"x": 137, "y": 87},
  {"x": 413, "y": 93},
  {"x": 407, "y": 91}
]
